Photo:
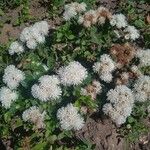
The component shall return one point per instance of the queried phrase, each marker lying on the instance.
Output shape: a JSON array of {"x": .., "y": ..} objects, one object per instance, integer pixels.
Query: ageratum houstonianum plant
[{"x": 113, "y": 75}]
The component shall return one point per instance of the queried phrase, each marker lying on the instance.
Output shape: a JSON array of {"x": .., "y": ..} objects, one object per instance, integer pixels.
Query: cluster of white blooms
[
  {"x": 73, "y": 74},
  {"x": 34, "y": 115},
  {"x": 47, "y": 89},
  {"x": 105, "y": 67},
  {"x": 7, "y": 97},
  {"x": 144, "y": 57},
  {"x": 72, "y": 9},
  {"x": 13, "y": 76},
  {"x": 92, "y": 17},
  {"x": 34, "y": 34},
  {"x": 118, "y": 20},
  {"x": 16, "y": 47},
  {"x": 92, "y": 90},
  {"x": 142, "y": 89},
  {"x": 131, "y": 33},
  {"x": 120, "y": 104},
  {"x": 70, "y": 118}
]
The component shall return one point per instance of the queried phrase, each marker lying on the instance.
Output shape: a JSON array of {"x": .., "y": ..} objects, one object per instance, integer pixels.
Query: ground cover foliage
[{"x": 70, "y": 41}]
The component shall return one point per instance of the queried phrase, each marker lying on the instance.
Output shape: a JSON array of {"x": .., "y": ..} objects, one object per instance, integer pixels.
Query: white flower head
[
  {"x": 16, "y": 47},
  {"x": 106, "y": 64},
  {"x": 25, "y": 34},
  {"x": 118, "y": 20},
  {"x": 42, "y": 27},
  {"x": 7, "y": 97},
  {"x": 13, "y": 76},
  {"x": 104, "y": 67},
  {"x": 35, "y": 34},
  {"x": 121, "y": 103},
  {"x": 72, "y": 9},
  {"x": 31, "y": 44},
  {"x": 73, "y": 74},
  {"x": 47, "y": 89},
  {"x": 132, "y": 33},
  {"x": 142, "y": 89},
  {"x": 144, "y": 57},
  {"x": 121, "y": 94},
  {"x": 106, "y": 76},
  {"x": 34, "y": 115},
  {"x": 70, "y": 118}
]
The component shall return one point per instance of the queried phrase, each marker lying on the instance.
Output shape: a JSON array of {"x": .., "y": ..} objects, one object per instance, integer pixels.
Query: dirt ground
[{"x": 104, "y": 134}]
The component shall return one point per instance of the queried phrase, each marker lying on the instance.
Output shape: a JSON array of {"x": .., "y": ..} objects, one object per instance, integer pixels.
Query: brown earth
[{"x": 103, "y": 133}]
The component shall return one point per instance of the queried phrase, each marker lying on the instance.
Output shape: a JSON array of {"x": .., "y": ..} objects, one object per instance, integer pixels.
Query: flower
[
  {"x": 34, "y": 115},
  {"x": 120, "y": 104},
  {"x": 88, "y": 19},
  {"x": 123, "y": 54},
  {"x": 35, "y": 34},
  {"x": 47, "y": 89},
  {"x": 104, "y": 67},
  {"x": 13, "y": 76},
  {"x": 92, "y": 89},
  {"x": 92, "y": 17},
  {"x": 73, "y": 74},
  {"x": 142, "y": 89},
  {"x": 118, "y": 20},
  {"x": 70, "y": 118},
  {"x": 72, "y": 9},
  {"x": 144, "y": 57},
  {"x": 16, "y": 47},
  {"x": 7, "y": 97},
  {"x": 107, "y": 77},
  {"x": 131, "y": 33},
  {"x": 106, "y": 64}
]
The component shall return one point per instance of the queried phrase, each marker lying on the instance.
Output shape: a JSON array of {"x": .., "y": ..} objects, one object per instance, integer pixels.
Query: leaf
[
  {"x": 71, "y": 37},
  {"x": 39, "y": 146},
  {"x": 131, "y": 119},
  {"x": 7, "y": 117},
  {"x": 15, "y": 123},
  {"x": 51, "y": 62},
  {"x": 52, "y": 139}
]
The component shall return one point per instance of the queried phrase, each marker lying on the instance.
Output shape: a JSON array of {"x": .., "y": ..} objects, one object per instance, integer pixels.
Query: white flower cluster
[
  {"x": 47, "y": 89},
  {"x": 73, "y": 74},
  {"x": 129, "y": 32},
  {"x": 92, "y": 17},
  {"x": 34, "y": 34},
  {"x": 70, "y": 118},
  {"x": 72, "y": 9},
  {"x": 92, "y": 90},
  {"x": 7, "y": 96},
  {"x": 144, "y": 57},
  {"x": 34, "y": 115},
  {"x": 121, "y": 103},
  {"x": 142, "y": 89},
  {"x": 13, "y": 76},
  {"x": 16, "y": 47},
  {"x": 118, "y": 20},
  {"x": 105, "y": 67}
]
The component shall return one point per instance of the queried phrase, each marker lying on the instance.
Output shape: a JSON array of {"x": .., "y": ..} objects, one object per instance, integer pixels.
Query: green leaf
[
  {"x": 39, "y": 146},
  {"x": 71, "y": 37}
]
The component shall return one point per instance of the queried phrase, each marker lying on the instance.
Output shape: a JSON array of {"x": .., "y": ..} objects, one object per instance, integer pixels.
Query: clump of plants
[{"x": 56, "y": 79}]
